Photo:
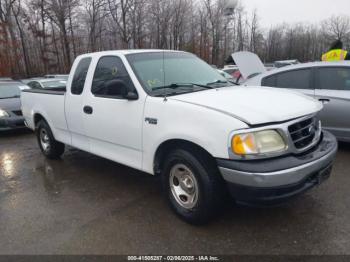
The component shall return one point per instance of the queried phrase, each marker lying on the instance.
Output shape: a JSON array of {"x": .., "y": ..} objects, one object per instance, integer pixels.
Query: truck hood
[
  {"x": 254, "y": 105},
  {"x": 10, "y": 104}
]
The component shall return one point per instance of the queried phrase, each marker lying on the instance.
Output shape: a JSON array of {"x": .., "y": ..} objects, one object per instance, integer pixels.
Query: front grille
[
  {"x": 17, "y": 113},
  {"x": 304, "y": 132}
]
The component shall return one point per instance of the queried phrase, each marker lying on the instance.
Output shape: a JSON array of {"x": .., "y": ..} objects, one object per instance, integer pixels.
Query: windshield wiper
[
  {"x": 178, "y": 85},
  {"x": 218, "y": 82}
]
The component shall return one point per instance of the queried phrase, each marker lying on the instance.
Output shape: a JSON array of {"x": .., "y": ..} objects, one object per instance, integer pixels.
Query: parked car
[
  {"x": 64, "y": 77},
  {"x": 10, "y": 105},
  {"x": 269, "y": 67},
  {"x": 27, "y": 80},
  {"x": 168, "y": 113},
  {"x": 230, "y": 69},
  {"x": 227, "y": 76},
  {"x": 328, "y": 82},
  {"x": 282, "y": 63},
  {"x": 48, "y": 84},
  {"x": 234, "y": 72}
]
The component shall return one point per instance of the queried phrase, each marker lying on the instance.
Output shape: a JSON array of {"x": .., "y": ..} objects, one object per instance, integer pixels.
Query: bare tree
[
  {"x": 95, "y": 10},
  {"x": 17, "y": 12},
  {"x": 44, "y": 36},
  {"x": 337, "y": 27},
  {"x": 6, "y": 55},
  {"x": 120, "y": 13},
  {"x": 60, "y": 14}
]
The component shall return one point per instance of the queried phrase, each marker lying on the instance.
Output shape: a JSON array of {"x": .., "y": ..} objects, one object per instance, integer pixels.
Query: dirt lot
[{"x": 84, "y": 204}]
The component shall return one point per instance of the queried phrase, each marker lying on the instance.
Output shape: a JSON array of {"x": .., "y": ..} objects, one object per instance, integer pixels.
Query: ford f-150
[{"x": 168, "y": 113}]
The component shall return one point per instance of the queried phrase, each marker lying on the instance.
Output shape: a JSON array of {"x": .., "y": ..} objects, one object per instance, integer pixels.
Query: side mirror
[
  {"x": 120, "y": 88},
  {"x": 131, "y": 95}
]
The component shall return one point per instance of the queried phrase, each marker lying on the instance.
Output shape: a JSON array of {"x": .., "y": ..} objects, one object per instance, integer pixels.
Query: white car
[
  {"x": 282, "y": 63},
  {"x": 170, "y": 114},
  {"x": 328, "y": 82},
  {"x": 53, "y": 84},
  {"x": 64, "y": 77}
]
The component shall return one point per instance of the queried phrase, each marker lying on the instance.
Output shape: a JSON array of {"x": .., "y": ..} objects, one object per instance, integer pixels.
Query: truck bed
[{"x": 50, "y": 103}]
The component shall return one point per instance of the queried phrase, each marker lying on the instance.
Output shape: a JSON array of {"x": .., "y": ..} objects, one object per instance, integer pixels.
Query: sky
[{"x": 272, "y": 12}]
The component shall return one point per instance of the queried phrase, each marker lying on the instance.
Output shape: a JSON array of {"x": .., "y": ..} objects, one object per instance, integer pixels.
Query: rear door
[
  {"x": 74, "y": 104},
  {"x": 299, "y": 80},
  {"x": 333, "y": 89}
]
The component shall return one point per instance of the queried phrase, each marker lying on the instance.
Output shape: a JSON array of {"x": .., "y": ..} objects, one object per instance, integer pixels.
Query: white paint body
[{"x": 117, "y": 129}]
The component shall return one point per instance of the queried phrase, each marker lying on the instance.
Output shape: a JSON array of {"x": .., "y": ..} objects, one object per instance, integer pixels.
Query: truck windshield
[
  {"x": 172, "y": 73},
  {"x": 9, "y": 90}
]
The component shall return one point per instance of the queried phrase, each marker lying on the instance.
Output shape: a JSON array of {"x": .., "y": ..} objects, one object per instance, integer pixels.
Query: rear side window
[
  {"x": 80, "y": 76},
  {"x": 269, "y": 81},
  {"x": 297, "y": 79},
  {"x": 336, "y": 78},
  {"x": 111, "y": 78}
]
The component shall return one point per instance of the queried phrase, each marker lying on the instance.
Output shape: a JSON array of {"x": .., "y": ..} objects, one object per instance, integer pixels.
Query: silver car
[
  {"x": 329, "y": 82},
  {"x": 53, "y": 84}
]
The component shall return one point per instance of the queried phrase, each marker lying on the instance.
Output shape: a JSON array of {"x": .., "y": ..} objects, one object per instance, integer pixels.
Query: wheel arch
[
  {"x": 167, "y": 146},
  {"x": 37, "y": 118}
]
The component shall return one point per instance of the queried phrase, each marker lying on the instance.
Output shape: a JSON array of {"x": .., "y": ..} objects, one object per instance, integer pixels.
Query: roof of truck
[{"x": 128, "y": 51}]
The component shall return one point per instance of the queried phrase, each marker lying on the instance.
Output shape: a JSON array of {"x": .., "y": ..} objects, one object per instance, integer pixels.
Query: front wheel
[
  {"x": 51, "y": 148},
  {"x": 192, "y": 186}
]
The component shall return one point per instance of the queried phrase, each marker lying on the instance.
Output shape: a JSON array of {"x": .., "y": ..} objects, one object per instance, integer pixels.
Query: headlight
[
  {"x": 257, "y": 143},
  {"x": 3, "y": 113}
]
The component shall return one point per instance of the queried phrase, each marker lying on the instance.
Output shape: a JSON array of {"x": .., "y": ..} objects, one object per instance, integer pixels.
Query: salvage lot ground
[{"x": 84, "y": 204}]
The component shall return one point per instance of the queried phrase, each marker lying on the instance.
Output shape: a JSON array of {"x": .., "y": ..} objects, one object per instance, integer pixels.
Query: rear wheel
[
  {"x": 49, "y": 146},
  {"x": 192, "y": 186}
]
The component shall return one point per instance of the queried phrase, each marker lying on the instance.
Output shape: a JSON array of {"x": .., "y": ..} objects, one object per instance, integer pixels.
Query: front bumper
[
  {"x": 275, "y": 180},
  {"x": 10, "y": 123}
]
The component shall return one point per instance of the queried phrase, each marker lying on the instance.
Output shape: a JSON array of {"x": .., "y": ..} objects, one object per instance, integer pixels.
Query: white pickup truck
[{"x": 170, "y": 114}]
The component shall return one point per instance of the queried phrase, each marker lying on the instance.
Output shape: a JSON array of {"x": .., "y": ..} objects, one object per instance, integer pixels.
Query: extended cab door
[
  {"x": 114, "y": 123},
  {"x": 333, "y": 89},
  {"x": 74, "y": 104}
]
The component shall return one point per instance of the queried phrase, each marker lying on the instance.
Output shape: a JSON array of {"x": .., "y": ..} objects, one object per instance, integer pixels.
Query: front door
[
  {"x": 114, "y": 124},
  {"x": 333, "y": 89}
]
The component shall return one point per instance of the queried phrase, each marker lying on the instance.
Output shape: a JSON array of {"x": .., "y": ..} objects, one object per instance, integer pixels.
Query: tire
[
  {"x": 197, "y": 198},
  {"x": 51, "y": 148}
]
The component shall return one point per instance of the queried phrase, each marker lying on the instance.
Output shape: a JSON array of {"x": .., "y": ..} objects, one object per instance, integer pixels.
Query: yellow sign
[{"x": 334, "y": 55}]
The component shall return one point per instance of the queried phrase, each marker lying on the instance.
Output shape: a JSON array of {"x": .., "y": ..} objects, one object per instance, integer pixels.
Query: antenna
[{"x": 165, "y": 99}]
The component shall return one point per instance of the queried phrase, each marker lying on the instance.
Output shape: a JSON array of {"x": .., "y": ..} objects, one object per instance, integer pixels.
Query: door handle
[
  {"x": 88, "y": 110},
  {"x": 324, "y": 100}
]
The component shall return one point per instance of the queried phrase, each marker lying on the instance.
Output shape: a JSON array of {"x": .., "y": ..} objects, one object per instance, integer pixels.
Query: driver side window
[{"x": 111, "y": 80}]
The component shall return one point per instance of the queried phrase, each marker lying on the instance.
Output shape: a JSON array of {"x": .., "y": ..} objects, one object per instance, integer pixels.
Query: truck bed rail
[{"x": 56, "y": 91}]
